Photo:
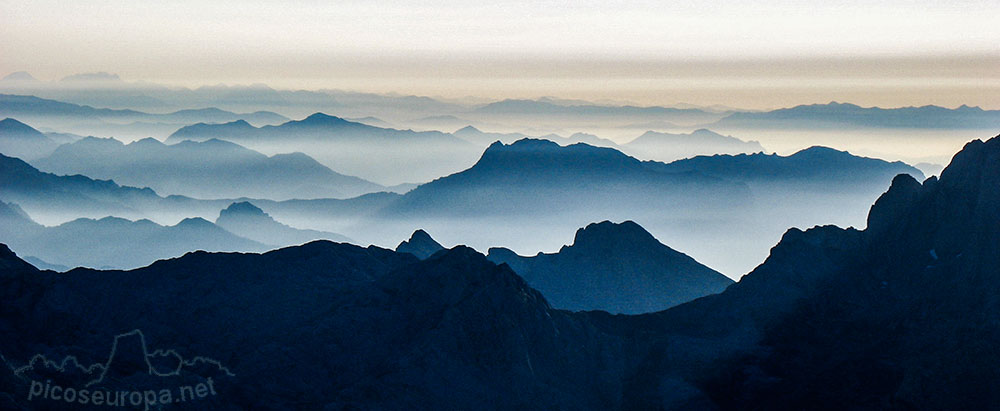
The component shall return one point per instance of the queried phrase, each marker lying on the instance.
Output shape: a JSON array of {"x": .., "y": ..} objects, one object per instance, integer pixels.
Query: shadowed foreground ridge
[{"x": 901, "y": 316}]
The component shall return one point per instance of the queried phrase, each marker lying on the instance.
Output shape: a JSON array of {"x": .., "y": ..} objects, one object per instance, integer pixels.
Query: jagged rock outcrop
[{"x": 420, "y": 245}]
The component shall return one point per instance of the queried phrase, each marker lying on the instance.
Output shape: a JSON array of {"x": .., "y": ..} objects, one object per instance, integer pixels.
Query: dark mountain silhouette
[
  {"x": 900, "y": 315},
  {"x": 670, "y": 147},
  {"x": 383, "y": 154},
  {"x": 246, "y": 220},
  {"x": 359, "y": 322},
  {"x": 619, "y": 268},
  {"x": 209, "y": 169},
  {"x": 844, "y": 115},
  {"x": 20, "y": 140},
  {"x": 420, "y": 245}
]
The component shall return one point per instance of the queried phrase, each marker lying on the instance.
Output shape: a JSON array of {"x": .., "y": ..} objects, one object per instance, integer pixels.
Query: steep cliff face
[{"x": 910, "y": 323}]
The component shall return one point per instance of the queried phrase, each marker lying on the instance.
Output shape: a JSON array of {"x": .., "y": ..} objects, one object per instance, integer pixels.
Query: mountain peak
[
  {"x": 524, "y": 144},
  {"x": 605, "y": 233},
  {"x": 11, "y": 125},
  {"x": 244, "y": 208},
  {"x": 195, "y": 222},
  {"x": 19, "y": 76},
  {"x": 323, "y": 118},
  {"x": 820, "y": 151},
  {"x": 467, "y": 130},
  {"x": 420, "y": 245}
]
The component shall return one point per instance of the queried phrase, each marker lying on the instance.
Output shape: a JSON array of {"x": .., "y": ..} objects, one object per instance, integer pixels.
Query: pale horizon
[{"x": 766, "y": 55}]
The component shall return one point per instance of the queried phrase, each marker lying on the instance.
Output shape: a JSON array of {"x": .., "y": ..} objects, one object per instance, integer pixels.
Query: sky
[{"x": 746, "y": 54}]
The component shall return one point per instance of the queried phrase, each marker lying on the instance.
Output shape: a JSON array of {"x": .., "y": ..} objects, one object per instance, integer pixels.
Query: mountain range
[
  {"x": 899, "y": 315},
  {"x": 111, "y": 242},
  {"x": 210, "y": 169},
  {"x": 716, "y": 208},
  {"x": 29, "y": 107},
  {"x": 848, "y": 116},
  {"x": 703, "y": 205}
]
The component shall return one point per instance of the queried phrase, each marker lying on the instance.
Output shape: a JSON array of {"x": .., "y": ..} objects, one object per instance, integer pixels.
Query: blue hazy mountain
[
  {"x": 53, "y": 199},
  {"x": 669, "y": 147},
  {"x": 211, "y": 169},
  {"x": 475, "y": 136},
  {"x": 844, "y": 115},
  {"x": 820, "y": 167},
  {"x": 247, "y": 220},
  {"x": 619, "y": 268},
  {"x": 420, "y": 244},
  {"x": 715, "y": 208},
  {"x": 114, "y": 242},
  {"x": 25, "y": 185},
  {"x": 385, "y": 155},
  {"x": 21, "y": 140},
  {"x": 540, "y": 176},
  {"x": 855, "y": 319}
]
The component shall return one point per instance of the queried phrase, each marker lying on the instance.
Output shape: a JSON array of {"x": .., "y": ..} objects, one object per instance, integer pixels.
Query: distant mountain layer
[
  {"x": 249, "y": 221},
  {"x": 25, "y": 185},
  {"x": 818, "y": 166},
  {"x": 31, "y": 107},
  {"x": 386, "y": 155},
  {"x": 619, "y": 268},
  {"x": 834, "y": 318},
  {"x": 548, "y": 108},
  {"x": 209, "y": 169},
  {"x": 53, "y": 199},
  {"x": 21, "y": 140},
  {"x": 843, "y": 115},
  {"x": 115, "y": 242},
  {"x": 670, "y": 147}
]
